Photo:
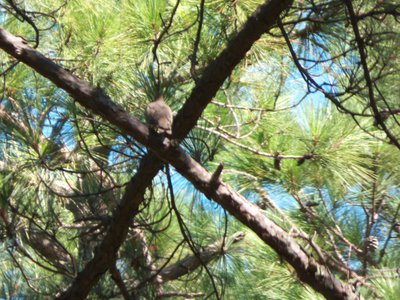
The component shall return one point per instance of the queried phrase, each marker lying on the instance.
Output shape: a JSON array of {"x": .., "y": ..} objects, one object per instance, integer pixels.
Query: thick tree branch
[
  {"x": 192, "y": 262},
  {"x": 218, "y": 71},
  {"x": 95, "y": 99},
  {"x": 106, "y": 252},
  {"x": 180, "y": 294}
]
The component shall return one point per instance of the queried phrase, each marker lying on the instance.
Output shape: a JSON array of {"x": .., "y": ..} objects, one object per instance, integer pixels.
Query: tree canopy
[{"x": 280, "y": 179}]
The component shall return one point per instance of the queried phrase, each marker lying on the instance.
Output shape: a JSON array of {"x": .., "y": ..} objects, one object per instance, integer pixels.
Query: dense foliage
[{"x": 305, "y": 127}]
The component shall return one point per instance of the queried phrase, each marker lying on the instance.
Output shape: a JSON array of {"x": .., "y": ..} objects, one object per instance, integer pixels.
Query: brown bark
[
  {"x": 192, "y": 262},
  {"x": 106, "y": 252},
  {"x": 218, "y": 71},
  {"x": 180, "y": 294},
  {"x": 48, "y": 247},
  {"x": 144, "y": 260},
  {"x": 214, "y": 75}
]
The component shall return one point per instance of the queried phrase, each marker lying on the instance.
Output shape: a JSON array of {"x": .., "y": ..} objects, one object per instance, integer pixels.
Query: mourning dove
[{"x": 159, "y": 116}]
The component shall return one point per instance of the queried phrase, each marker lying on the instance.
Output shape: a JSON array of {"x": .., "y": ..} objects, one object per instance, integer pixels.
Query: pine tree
[{"x": 279, "y": 181}]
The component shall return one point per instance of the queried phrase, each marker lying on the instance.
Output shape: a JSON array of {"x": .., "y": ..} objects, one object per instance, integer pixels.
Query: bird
[{"x": 159, "y": 116}]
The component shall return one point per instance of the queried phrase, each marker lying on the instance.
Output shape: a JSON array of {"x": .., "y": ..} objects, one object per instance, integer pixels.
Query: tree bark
[
  {"x": 106, "y": 253},
  {"x": 192, "y": 262}
]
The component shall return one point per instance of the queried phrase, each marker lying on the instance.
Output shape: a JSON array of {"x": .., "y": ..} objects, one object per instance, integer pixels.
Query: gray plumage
[{"x": 159, "y": 116}]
